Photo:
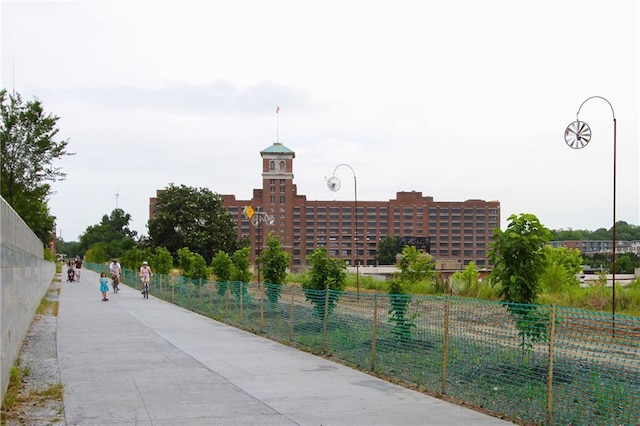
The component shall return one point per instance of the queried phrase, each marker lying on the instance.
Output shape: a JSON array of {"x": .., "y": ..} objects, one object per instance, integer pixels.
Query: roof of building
[{"x": 277, "y": 148}]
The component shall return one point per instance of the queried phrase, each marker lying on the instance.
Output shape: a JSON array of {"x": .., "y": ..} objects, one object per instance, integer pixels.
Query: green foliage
[
  {"x": 398, "y": 306},
  {"x": 518, "y": 256},
  {"x": 96, "y": 253},
  {"x": 241, "y": 265},
  {"x": 325, "y": 274},
  {"x": 192, "y": 218},
  {"x": 28, "y": 152},
  {"x": 624, "y": 232},
  {"x": 192, "y": 265},
  {"x": 562, "y": 265},
  {"x": 112, "y": 233},
  {"x": 415, "y": 267},
  {"x": 467, "y": 282},
  {"x": 48, "y": 254},
  {"x": 274, "y": 262},
  {"x": 159, "y": 258},
  {"x": 388, "y": 248},
  {"x": 222, "y": 266}
]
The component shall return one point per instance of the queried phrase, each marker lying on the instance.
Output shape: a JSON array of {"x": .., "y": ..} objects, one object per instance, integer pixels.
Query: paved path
[{"x": 132, "y": 361}]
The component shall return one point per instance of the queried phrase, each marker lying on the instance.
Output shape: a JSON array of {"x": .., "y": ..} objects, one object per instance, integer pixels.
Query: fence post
[
  {"x": 326, "y": 319},
  {"x": 374, "y": 333},
  {"x": 552, "y": 332},
  {"x": 226, "y": 301},
  {"x": 291, "y": 317},
  {"x": 445, "y": 344},
  {"x": 241, "y": 304},
  {"x": 262, "y": 288}
]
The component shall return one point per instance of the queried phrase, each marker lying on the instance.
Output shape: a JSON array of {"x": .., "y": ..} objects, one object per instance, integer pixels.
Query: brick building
[{"x": 458, "y": 231}]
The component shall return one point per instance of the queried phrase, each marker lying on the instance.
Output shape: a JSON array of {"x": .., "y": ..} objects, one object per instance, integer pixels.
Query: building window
[
  {"x": 282, "y": 165},
  {"x": 272, "y": 165}
]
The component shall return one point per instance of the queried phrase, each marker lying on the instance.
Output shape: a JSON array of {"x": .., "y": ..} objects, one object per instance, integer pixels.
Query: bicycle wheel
[{"x": 146, "y": 290}]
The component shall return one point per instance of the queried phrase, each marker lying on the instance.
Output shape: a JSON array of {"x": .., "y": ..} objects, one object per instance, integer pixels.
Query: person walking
[
  {"x": 145, "y": 274},
  {"x": 104, "y": 286},
  {"x": 115, "y": 269},
  {"x": 78, "y": 265}
]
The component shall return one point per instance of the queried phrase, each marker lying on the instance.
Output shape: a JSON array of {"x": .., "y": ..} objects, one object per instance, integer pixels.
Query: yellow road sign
[{"x": 248, "y": 212}]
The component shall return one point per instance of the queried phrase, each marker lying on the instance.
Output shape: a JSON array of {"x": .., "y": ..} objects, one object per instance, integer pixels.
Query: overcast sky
[{"x": 455, "y": 99}]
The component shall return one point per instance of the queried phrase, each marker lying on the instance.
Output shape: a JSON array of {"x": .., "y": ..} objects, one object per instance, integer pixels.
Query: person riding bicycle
[
  {"x": 145, "y": 274},
  {"x": 116, "y": 270}
]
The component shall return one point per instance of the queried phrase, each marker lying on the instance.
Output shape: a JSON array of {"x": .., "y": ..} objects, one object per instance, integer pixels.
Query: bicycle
[
  {"x": 145, "y": 289},
  {"x": 115, "y": 283}
]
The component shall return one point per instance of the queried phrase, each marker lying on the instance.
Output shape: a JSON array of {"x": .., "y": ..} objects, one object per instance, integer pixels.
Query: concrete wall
[{"x": 24, "y": 280}]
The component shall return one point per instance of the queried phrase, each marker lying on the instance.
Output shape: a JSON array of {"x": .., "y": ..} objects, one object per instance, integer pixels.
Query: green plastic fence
[{"x": 537, "y": 363}]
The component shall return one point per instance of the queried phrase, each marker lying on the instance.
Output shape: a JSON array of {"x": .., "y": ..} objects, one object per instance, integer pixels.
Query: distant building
[
  {"x": 591, "y": 247},
  {"x": 458, "y": 231}
]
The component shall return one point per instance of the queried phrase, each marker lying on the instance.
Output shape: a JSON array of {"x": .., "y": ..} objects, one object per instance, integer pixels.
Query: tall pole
[
  {"x": 577, "y": 135},
  {"x": 355, "y": 215}
]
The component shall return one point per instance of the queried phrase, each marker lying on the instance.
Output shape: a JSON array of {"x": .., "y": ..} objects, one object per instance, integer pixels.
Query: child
[{"x": 104, "y": 286}]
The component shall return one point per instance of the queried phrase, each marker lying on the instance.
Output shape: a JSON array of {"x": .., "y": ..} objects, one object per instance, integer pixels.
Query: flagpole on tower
[{"x": 277, "y": 124}]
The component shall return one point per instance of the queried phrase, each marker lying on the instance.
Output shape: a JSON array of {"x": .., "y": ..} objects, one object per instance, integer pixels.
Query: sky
[{"x": 455, "y": 99}]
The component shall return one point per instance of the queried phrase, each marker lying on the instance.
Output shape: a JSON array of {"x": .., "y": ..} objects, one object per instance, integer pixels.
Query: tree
[
  {"x": 388, "y": 248},
  {"x": 241, "y": 274},
  {"x": 562, "y": 265},
  {"x": 28, "y": 154},
  {"x": 518, "y": 255},
  {"x": 326, "y": 274},
  {"x": 466, "y": 283},
  {"x": 112, "y": 233},
  {"x": 192, "y": 218},
  {"x": 192, "y": 265},
  {"x": 415, "y": 266},
  {"x": 222, "y": 268},
  {"x": 159, "y": 259},
  {"x": 274, "y": 262}
]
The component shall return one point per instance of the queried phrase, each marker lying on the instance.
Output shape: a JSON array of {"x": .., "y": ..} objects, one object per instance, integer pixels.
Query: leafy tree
[
  {"x": 518, "y": 255},
  {"x": 112, "y": 232},
  {"x": 192, "y": 265},
  {"x": 562, "y": 265},
  {"x": 326, "y": 274},
  {"x": 415, "y": 266},
  {"x": 95, "y": 253},
  {"x": 222, "y": 267},
  {"x": 241, "y": 265},
  {"x": 467, "y": 282},
  {"x": 28, "y": 151},
  {"x": 241, "y": 273},
  {"x": 159, "y": 259},
  {"x": 192, "y": 218},
  {"x": 274, "y": 262},
  {"x": 387, "y": 251},
  {"x": 626, "y": 263}
]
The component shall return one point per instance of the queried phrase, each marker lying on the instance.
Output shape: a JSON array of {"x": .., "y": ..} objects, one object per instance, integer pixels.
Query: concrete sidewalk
[{"x": 132, "y": 361}]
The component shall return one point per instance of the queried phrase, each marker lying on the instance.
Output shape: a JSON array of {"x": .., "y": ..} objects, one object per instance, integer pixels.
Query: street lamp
[
  {"x": 577, "y": 135},
  {"x": 257, "y": 218},
  {"x": 334, "y": 185}
]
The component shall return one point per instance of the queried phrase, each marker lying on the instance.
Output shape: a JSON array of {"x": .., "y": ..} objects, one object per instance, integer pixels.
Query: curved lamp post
[
  {"x": 334, "y": 185},
  {"x": 577, "y": 135},
  {"x": 257, "y": 218}
]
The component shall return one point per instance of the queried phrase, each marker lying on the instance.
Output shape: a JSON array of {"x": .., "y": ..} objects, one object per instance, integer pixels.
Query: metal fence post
[
  {"x": 325, "y": 324},
  {"x": 291, "y": 317},
  {"x": 374, "y": 332},
  {"x": 552, "y": 332},
  {"x": 445, "y": 344}
]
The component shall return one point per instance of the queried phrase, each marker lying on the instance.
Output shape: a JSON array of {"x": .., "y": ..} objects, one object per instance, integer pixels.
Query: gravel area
[{"x": 39, "y": 357}]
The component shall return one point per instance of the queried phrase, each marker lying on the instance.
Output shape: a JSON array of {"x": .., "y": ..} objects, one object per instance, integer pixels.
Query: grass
[{"x": 12, "y": 396}]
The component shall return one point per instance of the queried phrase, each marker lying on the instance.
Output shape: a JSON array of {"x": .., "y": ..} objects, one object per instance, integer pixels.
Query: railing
[{"x": 535, "y": 363}]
